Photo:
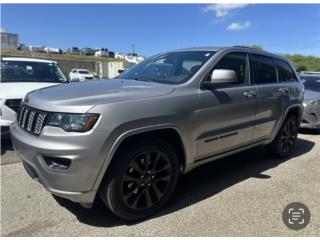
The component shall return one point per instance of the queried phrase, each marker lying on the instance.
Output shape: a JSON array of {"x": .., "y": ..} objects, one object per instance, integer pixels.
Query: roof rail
[{"x": 248, "y": 47}]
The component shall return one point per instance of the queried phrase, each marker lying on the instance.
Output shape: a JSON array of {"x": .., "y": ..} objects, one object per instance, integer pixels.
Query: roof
[
  {"x": 243, "y": 48},
  {"x": 199, "y": 49},
  {"x": 80, "y": 69},
  {"x": 27, "y": 59}
]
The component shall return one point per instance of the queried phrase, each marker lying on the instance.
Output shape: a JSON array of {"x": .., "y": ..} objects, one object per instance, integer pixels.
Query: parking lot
[{"x": 242, "y": 195}]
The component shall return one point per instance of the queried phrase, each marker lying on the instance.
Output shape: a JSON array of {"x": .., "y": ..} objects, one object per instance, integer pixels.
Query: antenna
[{"x": 133, "y": 48}]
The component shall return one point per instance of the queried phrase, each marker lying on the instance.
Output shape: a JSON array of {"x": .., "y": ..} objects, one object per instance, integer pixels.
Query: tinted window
[
  {"x": 20, "y": 71},
  {"x": 311, "y": 82},
  {"x": 83, "y": 72},
  {"x": 265, "y": 71},
  {"x": 285, "y": 72},
  {"x": 236, "y": 62},
  {"x": 170, "y": 68}
]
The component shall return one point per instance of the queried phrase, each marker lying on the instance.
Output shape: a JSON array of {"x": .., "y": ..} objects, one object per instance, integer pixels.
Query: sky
[{"x": 153, "y": 28}]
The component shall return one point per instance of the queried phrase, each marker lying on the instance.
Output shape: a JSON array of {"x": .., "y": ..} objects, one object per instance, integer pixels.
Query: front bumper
[
  {"x": 311, "y": 117},
  {"x": 7, "y": 116},
  {"x": 85, "y": 150}
]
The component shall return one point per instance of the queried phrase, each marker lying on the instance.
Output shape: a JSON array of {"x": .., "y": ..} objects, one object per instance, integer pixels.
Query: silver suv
[{"x": 127, "y": 140}]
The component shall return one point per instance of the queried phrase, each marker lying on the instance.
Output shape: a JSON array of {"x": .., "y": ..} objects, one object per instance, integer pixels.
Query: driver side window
[{"x": 237, "y": 62}]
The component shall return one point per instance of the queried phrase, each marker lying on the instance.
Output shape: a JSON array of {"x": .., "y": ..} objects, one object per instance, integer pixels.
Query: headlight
[{"x": 73, "y": 122}]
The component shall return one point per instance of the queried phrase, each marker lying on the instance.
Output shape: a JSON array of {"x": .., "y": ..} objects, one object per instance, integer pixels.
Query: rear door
[
  {"x": 227, "y": 112},
  {"x": 270, "y": 105},
  {"x": 287, "y": 78}
]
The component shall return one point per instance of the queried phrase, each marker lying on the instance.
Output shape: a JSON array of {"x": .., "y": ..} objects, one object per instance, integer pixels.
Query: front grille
[
  {"x": 14, "y": 104},
  {"x": 32, "y": 120}
]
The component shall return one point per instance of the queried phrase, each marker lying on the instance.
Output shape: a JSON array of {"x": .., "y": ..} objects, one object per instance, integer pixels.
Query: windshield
[
  {"x": 170, "y": 68},
  {"x": 20, "y": 71},
  {"x": 83, "y": 72},
  {"x": 311, "y": 82}
]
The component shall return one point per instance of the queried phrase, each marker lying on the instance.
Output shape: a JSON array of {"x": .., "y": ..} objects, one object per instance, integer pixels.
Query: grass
[{"x": 52, "y": 56}]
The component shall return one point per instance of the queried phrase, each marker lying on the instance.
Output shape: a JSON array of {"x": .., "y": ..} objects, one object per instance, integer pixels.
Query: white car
[
  {"x": 80, "y": 75},
  {"x": 37, "y": 48},
  {"x": 101, "y": 52},
  {"x": 20, "y": 76},
  {"x": 53, "y": 50}
]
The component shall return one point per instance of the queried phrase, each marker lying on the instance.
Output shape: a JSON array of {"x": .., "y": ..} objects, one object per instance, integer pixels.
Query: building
[
  {"x": 133, "y": 58},
  {"x": 9, "y": 41},
  {"x": 109, "y": 70}
]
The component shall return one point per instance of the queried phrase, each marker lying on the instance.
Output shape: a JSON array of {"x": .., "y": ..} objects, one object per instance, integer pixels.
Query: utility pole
[{"x": 132, "y": 49}]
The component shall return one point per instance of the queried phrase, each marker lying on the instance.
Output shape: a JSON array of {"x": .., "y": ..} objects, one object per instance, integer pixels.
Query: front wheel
[
  {"x": 141, "y": 179},
  {"x": 284, "y": 143}
]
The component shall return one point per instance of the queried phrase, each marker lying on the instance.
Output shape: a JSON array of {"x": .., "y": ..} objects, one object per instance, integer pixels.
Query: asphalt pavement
[{"x": 241, "y": 195}]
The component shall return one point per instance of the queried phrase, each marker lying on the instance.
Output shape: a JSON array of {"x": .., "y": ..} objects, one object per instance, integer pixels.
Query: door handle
[
  {"x": 283, "y": 90},
  {"x": 250, "y": 93}
]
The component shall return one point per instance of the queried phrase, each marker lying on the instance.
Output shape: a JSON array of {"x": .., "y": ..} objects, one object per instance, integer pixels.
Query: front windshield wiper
[{"x": 140, "y": 79}]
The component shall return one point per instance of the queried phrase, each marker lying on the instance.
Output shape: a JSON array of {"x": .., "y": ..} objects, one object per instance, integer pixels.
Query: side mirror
[
  {"x": 223, "y": 76},
  {"x": 120, "y": 71}
]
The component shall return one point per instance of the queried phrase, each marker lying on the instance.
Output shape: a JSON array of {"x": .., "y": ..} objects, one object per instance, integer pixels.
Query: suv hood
[
  {"x": 17, "y": 90},
  {"x": 79, "y": 97}
]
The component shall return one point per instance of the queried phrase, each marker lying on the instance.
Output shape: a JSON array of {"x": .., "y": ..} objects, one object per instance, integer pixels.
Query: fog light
[{"x": 57, "y": 163}]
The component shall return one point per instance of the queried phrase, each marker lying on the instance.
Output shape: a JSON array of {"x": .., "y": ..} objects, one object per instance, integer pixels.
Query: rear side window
[
  {"x": 265, "y": 71},
  {"x": 285, "y": 71}
]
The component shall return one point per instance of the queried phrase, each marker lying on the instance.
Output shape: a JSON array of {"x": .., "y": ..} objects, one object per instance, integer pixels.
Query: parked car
[
  {"x": 111, "y": 54},
  {"x": 40, "y": 49},
  {"x": 133, "y": 58},
  {"x": 119, "y": 55},
  {"x": 73, "y": 50},
  {"x": 128, "y": 139},
  {"x": 53, "y": 50},
  {"x": 311, "y": 113},
  {"x": 80, "y": 75},
  {"x": 20, "y": 76},
  {"x": 101, "y": 52},
  {"x": 23, "y": 47},
  {"x": 87, "y": 51},
  {"x": 311, "y": 81}
]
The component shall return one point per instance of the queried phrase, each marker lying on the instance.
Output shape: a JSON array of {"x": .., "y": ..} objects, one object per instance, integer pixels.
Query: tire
[
  {"x": 284, "y": 143},
  {"x": 141, "y": 179}
]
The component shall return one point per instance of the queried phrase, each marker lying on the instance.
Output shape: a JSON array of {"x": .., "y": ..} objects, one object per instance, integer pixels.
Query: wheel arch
[
  {"x": 296, "y": 109},
  {"x": 163, "y": 131}
]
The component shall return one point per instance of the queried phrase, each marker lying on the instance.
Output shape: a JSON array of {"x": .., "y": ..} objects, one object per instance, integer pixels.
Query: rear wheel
[
  {"x": 285, "y": 141},
  {"x": 141, "y": 180}
]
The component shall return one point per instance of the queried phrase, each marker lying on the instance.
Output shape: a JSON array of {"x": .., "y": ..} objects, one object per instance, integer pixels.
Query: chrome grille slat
[
  {"x": 24, "y": 119},
  {"x": 21, "y": 114},
  {"x": 39, "y": 123},
  {"x": 32, "y": 120}
]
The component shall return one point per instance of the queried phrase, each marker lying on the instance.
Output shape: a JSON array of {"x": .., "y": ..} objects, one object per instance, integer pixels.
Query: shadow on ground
[
  {"x": 201, "y": 183},
  {"x": 309, "y": 131},
  {"x": 6, "y": 145}
]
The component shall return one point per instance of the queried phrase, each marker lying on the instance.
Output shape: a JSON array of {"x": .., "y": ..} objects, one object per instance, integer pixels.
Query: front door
[{"x": 227, "y": 112}]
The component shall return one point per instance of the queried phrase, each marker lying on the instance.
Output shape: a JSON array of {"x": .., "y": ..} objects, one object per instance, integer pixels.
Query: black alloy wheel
[
  {"x": 141, "y": 179},
  {"x": 146, "y": 179},
  {"x": 289, "y": 136},
  {"x": 284, "y": 143}
]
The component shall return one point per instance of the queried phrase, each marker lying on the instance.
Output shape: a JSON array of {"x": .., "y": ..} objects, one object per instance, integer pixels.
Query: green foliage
[
  {"x": 300, "y": 62},
  {"x": 304, "y": 63},
  {"x": 256, "y": 46}
]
